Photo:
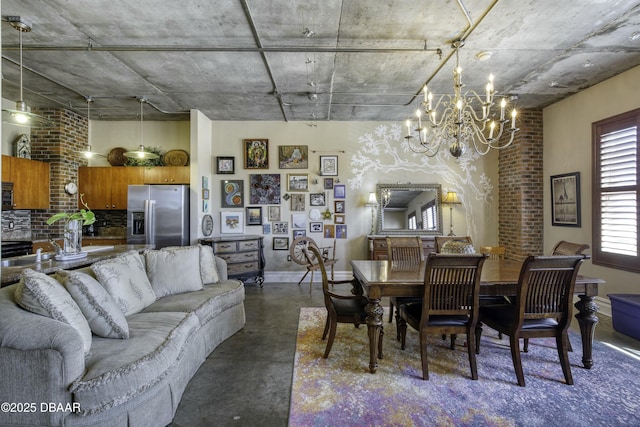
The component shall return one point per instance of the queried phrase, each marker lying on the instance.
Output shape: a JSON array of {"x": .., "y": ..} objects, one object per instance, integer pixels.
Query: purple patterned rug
[{"x": 339, "y": 391}]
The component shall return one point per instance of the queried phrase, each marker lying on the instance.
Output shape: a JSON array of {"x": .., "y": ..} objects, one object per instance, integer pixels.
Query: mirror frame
[{"x": 380, "y": 220}]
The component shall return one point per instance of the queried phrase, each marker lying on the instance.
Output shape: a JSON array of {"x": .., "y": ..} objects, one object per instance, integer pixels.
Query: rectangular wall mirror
[{"x": 409, "y": 209}]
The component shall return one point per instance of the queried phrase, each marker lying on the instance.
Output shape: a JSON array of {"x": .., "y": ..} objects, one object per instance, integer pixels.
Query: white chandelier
[{"x": 461, "y": 120}]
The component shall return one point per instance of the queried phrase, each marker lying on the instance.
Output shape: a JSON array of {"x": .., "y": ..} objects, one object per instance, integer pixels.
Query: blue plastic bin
[{"x": 625, "y": 309}]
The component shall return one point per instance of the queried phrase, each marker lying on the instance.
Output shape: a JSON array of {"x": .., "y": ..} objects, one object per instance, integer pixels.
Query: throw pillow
[
  {"x": 99, "y": 308},
  {"x": 208, "y": 268},
  {"x": 42, "y": 294},
  {"x": 125, "y": 278},
  {"x": 174, "y": 270}
]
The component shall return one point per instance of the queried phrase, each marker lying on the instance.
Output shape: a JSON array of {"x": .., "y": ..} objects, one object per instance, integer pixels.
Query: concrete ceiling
[{"x": 250, "y": 59}]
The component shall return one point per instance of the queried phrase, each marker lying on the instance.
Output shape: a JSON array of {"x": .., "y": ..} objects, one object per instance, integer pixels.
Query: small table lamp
[
  {"x": 451, "y": 199},
  {"x": 373, "y": 203}
]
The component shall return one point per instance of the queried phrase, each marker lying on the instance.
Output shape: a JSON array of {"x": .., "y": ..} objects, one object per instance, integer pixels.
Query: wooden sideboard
[
  {"x": 244, "y": 255},
  {"x": 377, "y": 246}
]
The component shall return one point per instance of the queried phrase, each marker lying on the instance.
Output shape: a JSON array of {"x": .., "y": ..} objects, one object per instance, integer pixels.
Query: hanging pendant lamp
[
  {"x": 88, "y": 152},
  {"x": 141, "y": 153},
  {"x": 21, "y": 116}
]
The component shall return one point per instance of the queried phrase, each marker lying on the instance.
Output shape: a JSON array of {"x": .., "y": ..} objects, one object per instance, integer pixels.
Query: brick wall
[
  {"x": 520, "y": 189},
  {"x": 60, "y": 146}
]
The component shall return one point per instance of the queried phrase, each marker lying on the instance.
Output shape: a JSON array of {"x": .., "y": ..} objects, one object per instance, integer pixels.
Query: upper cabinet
[
  {"x": 30, "y": 182},
  {"x": 166, "y": 175},
  {"x": 107, "y": 187}
]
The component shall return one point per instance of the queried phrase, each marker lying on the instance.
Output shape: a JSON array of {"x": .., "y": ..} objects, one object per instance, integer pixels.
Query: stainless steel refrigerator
[{"x": 158, "y": 215}]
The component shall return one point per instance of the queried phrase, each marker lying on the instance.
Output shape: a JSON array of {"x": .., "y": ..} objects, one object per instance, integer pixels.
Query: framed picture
[
  {"x": 232, "y": 195},
  {"x": 254, "y": 215},
  {"x": 315, "y": 227},
  {"x": 339, "y": 206},
  {"x": 231, "y": 222},
  {"x": 565, "y": 200},
  {"x": 297, "y": 182},
  {"x": 205, "y": 206},
  {"x": 299, "y": 233},
  {"x": 297, "y": 202},
  {"x": 264, "y": 189},
  {"x": 293, "y": 156},
  {"x": 341, "y": 231},
  {"x": 329, "y": 165},
  {"x": 339, "y": 191},
  {"x": 256, "y": 153},
  {"x": 328, "y": 183},
  {"x": 338, "y": 218},
  {"x": 329, "y": 231},
  {"x": 266, "y": 228},
  {"x": 280, "y": 243},
  {"x": 274, "y": 213},
  {"x": 281, "y": 228},
  {"x": 225, "y": 165},
  {"x": 317, "y": 199},
  {"x": 205, "y": 194},
  {"x": 298, "y": 220},
  {"x": 205, "y": 181}
]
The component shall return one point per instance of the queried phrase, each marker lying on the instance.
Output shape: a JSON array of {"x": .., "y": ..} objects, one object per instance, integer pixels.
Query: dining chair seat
[
  {"x": 413, "y": 312},
  {"x": 351, "y": 307}
]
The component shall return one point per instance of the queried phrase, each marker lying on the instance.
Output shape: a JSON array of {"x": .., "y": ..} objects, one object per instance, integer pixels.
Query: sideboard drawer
[
  {"x": 243, "y": 268},
  {"x": 250, "y": 245},
  {"x": 225, "y": 247},
  {"x": 240, "y": 257}
]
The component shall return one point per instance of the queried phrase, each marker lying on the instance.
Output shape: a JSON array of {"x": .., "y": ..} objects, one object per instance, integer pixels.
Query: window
[
  {"x": 412, "y": 221},
  {"x": 615, "y": 192},
  {"x": 428, "y": 213}
]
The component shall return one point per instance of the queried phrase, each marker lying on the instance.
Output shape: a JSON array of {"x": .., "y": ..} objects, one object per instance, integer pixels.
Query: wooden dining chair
[
  {"x": 568, "y": 248},
  {"x": 340, "y": 308},
  {"x": 494, "y": 252},
  {"x": 405, "y": 254},
  {"x": 449, "y": 304},
  {"x": 542, "y": 308}
]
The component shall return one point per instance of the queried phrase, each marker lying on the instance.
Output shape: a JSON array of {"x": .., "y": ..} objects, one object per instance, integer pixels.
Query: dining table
[{"x": 377, "y": 279}]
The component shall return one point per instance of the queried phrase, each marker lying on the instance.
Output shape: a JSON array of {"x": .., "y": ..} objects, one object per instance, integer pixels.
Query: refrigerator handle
[{"x": 150, "y": 221}]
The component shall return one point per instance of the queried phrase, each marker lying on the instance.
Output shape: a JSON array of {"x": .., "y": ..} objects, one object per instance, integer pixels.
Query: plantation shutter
[{"x": 616, "y": 193}]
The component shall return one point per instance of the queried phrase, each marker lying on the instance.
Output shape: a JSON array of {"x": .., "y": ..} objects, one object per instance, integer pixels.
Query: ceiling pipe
[{"x": 256, "y": 37}]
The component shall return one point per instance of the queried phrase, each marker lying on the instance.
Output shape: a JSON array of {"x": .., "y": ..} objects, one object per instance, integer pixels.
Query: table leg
[
  {"x": 374, "y": 323},
  {"x": 587, "y": 319}
]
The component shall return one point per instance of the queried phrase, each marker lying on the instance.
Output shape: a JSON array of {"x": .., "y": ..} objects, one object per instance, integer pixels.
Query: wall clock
[{"x": 71, "y": 188}]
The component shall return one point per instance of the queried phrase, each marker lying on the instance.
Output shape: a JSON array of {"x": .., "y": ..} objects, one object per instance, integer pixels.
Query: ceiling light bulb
[
  {"x": 483, "y": 56},
  {"x": 21, "y": 118}
]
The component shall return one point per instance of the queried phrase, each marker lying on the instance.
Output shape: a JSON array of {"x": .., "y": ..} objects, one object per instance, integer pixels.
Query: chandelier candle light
[{"x": 458, "y": 120}]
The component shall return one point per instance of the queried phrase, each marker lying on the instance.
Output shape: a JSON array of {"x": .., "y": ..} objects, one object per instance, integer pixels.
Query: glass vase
[{"x": 73, "y": 237}]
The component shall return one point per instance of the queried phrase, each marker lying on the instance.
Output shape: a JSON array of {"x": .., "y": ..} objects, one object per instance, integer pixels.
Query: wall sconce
[
  {"x": 451, "y": 199},
  {"x": 373, "y": 204}
]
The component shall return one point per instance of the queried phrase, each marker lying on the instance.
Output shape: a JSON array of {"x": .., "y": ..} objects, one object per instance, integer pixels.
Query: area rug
[{"x": 340, "y": 391}]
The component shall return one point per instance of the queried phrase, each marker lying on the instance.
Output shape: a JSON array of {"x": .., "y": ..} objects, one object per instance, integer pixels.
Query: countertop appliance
[
  {"x": 11, "y": 248},
  {"x": 158, "y": 215}
]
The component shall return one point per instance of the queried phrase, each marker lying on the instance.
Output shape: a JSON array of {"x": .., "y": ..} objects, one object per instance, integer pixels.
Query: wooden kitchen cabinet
[
  {"x": 167, "y": 175},
  {"x": 30, "y": 182},
  {"x": 107, "y": 187}
]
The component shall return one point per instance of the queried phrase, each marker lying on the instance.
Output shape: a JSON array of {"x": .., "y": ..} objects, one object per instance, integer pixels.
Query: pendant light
[
  {"x": 140, "y": 153},
  {"x": 88, "y": 153},
  {"x": 21, "y": 116}
]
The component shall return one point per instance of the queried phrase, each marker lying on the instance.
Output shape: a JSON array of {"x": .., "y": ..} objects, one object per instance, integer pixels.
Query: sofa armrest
[
  {"x": 221, "y": 265},
  {"x": 39, "y": 357}
]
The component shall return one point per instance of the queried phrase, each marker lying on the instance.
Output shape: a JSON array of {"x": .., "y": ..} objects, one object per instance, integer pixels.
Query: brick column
[
  {"x": 60, "y": 146},
  {"x": 520, "y": 189}
]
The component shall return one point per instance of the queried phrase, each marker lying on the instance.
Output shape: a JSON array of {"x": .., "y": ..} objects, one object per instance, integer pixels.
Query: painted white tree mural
[{"x": 385, "y": 151}]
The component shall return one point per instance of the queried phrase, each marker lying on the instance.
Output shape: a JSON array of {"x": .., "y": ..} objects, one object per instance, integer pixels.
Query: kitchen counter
[{"x": 12, "y": 274}]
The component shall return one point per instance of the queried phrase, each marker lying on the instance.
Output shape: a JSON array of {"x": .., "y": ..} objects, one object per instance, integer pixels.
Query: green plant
[{"x": 86, "y": 215}]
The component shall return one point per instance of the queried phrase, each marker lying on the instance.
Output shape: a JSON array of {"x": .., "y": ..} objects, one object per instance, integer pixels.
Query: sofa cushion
[
  {"x": 99, "y": 308},
  {"x": 119, "y": 370},
  {"x": 206, "y": 303},
  {"x": 174, "y": 270},
  {"x": 125, "y": 278},
  {"x": 42, "y": 294},
  {"x": 208, "y": 270}
]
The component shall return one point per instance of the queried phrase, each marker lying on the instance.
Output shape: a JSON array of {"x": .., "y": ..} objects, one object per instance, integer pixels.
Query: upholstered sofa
[{"x": 116, "y": 343}]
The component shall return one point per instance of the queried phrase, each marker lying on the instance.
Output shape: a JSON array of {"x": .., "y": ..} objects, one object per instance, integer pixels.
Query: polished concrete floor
[{"x": 246, "y": 381}]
